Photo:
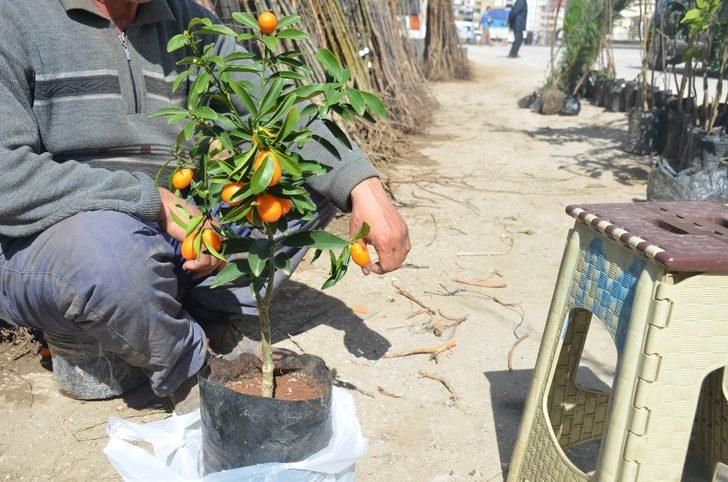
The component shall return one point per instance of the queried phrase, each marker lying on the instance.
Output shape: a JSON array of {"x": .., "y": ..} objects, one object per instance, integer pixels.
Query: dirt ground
[{"x": 485, "y": 202}]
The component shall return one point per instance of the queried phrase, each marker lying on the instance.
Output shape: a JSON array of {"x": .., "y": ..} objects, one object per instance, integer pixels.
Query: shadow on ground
[
  {"x": 508, "y": 393},
  {"x": 607, "y": 153},
  {"x": 299, "y": 308}
]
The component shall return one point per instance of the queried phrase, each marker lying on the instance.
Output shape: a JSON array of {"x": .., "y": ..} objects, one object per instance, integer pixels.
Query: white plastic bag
[{"x": 177, "y": 446}]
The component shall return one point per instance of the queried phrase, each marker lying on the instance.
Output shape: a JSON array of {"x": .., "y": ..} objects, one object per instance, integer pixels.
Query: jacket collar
[{"x": 147, "y": 13}]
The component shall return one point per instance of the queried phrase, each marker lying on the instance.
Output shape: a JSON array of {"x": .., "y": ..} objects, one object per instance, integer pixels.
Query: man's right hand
[{"x": 205, "y": 264}]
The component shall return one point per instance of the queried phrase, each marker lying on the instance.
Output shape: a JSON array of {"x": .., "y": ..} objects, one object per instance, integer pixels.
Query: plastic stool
[
  {"x": 84, "y": 372},
  {"x": 656, "y": 275}
]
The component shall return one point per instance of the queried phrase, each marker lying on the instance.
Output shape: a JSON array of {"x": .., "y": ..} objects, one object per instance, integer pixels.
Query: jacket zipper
[{"x": 127, "y": 53}]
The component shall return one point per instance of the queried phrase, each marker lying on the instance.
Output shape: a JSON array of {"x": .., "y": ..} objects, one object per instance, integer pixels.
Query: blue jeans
[{"x": 112, "y": 277}]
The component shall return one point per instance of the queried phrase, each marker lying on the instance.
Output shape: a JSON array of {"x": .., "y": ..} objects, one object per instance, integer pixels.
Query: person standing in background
[
  {"x": 485, "y": 22},
  {"x": 517, "y": 21}
]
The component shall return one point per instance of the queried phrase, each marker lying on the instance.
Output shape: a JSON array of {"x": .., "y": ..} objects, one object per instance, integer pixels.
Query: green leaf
[
  {"x": 305, "y": 92},
  {"x": 375, "y": 104},
  {"x": 180, "y": 78},
  {"x": 338, "y": 133},
  {"x": 168, "y": 111},
  {"x": 246, "y": 19},
  {"x": 288, "y": 20},
  {"x": 259, "y": 253},
  {"x": 363, "y": 232},
  {"x": 316, "y": 255},
  {"x": 244, "y": 96},
  {"x": 357, "y": 101},
  {"x": 314, "y": 239},
  {"x": 205, "y": 112},
  {"x": 218, "y": 29},
  {"x": 193, "y": 224},
  {"x": 262, "y": 176},
  {"x": 199, "y": 21},
  {"x": 288, "y": 124},
  {"x": 238, "y": 245},
  {"x": 271, "y": 43},
  {"x": 271, "y": 97},
  {"x": 177, "y": 42},
  {"x": 226, "y": 142},
  {"x": 288, "y": 164},
  {"x": 287, "y": 74},
  {"x": 233, "y": 271},
  {"x": 293, "y": 34},
  {"x": 330, "y": 63},
  {"x": 326, "y": 144},
  {"x": 244, "y": 36},
  {"x": 238, "y": 55},
  {"x": 281, "y": 262}
]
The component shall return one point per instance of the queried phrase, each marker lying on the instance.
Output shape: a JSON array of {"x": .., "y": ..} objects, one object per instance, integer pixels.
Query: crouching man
[{"x": 87, "y": 243}]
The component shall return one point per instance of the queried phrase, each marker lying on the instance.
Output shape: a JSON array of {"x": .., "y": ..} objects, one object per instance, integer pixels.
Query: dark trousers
[
  {"x": 518, "y": 33},
  {"x": 119, "y": 280}
]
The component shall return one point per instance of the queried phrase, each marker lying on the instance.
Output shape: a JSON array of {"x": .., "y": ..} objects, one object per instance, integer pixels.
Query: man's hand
[
  {"x": 205, "y": 264},
  {"x": 389, "y": 234}
]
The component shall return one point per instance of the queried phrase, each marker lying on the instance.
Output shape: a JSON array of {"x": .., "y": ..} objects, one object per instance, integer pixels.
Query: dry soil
[{"x": 485, "y": 202}]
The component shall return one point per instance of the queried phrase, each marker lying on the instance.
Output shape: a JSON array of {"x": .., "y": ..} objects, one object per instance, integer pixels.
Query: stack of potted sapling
[
  {"x": 710, "y": 141},
  {"x": 693, "y": 163},
  {"x": 239, "y": 159}
]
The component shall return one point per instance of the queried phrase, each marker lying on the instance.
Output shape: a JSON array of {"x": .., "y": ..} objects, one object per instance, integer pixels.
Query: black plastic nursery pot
[
  {"x": 616, "y": 98},
  {"x": 629, "y": 96},
  {"x": 646, "y": 131},
  {"x": 676, "y": 128},
  {"x": 713, "y": 147},
  {"x": 240, "y": 430}
]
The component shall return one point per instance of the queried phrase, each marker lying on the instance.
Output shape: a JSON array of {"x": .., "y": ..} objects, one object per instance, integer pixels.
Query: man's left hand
[{"x": 389, "y": 233}]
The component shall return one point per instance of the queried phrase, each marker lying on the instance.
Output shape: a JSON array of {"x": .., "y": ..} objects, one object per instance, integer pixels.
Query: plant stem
[{"x": 267, "y": 382}]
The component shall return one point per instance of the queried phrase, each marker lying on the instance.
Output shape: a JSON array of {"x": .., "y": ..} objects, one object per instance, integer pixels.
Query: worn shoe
[{"x": 186, "y": 398}]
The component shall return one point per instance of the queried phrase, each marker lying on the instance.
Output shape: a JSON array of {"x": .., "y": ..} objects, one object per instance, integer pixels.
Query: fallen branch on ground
[
  {"x": 387, "y": 394},
  {"x": 412, "y": 298},
  {"x": 479, "y": 283},
  {"x": 423, "y": 350},
  {"x": 350, "y": 386},
  {"x": 513, "y": 348},
  {"x": 434, "y": 376}
]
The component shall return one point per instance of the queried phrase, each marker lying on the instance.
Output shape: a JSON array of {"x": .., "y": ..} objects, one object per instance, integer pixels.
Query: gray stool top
[{"x": 682, "y": 237}]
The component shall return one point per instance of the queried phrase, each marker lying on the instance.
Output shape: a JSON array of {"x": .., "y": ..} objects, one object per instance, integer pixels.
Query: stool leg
[
  {"x": 547, "y": 355},
  {"x": 710, "y": 432},
  {"x": 577, "y": 414}
]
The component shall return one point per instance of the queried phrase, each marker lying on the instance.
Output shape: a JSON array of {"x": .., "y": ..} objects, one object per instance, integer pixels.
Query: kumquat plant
[{"x": 238, "y": 154}]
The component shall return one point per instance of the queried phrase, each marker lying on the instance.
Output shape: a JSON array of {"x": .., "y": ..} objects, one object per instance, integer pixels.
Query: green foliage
[
  {"x": 582, "y": 41},
  {"x": 230, "y": 119}
]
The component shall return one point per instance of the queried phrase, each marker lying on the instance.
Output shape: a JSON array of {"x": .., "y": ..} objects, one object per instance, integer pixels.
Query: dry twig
[
  {"x": 479, "y": 283},
  {"x": 513, "y": 348},
  {"x": 434, "y": 376},
  {"x": 387, "y": 394},
  {"x": 350, "y": 386},
  {"x": 423, "y": 350},
  {"x": 412, "y": 298}
]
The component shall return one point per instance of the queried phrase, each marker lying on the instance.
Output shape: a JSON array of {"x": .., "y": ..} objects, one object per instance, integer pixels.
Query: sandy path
[{"x": 493, "y": 176}]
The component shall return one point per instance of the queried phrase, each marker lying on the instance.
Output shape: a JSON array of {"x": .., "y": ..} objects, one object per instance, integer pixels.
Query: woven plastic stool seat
[{"x": 656, "y": 275}]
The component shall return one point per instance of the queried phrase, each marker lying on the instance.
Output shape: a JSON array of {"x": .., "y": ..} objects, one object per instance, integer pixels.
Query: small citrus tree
[{"x": 238, "y": 154}]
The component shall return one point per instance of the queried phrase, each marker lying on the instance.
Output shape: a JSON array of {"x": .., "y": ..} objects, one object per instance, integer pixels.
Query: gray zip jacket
[{"x": 75, "y": 98}]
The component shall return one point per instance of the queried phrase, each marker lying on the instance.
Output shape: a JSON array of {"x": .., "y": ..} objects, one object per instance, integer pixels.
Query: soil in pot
[
  {"x": 240, "y": 428},
  {"x": 293, "y": 386}
]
